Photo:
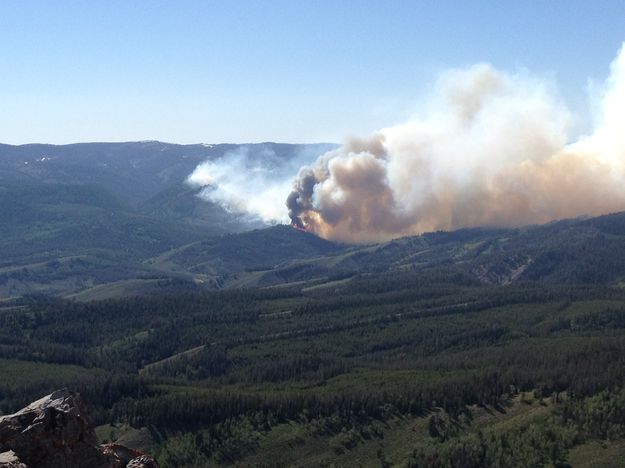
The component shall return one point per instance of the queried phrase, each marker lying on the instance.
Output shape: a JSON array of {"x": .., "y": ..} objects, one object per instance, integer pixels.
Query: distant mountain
[
  {"x": 51, "y": 220},
  {"x": 82, "y": 215},
  {"x": 181, "y": 204},
  {"x": 135, "y": 253},
  {"x": 570, "y": 251},
  {"x": 64, "y": 238},
  {"x": 111, "y": 219},
  {"x": 133, "y": 171}
]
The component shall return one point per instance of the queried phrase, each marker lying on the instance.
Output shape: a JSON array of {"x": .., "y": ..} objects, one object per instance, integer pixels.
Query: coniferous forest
[
  {"x": 201, "y": 340},
  {"x": 409, "y": 369},
  {"x": 312, "y": 234}
]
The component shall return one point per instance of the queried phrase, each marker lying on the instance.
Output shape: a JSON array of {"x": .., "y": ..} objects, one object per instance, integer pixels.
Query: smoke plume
[
  {"x": 494, "y": 149},
  {"x": 251, "y": 180}
]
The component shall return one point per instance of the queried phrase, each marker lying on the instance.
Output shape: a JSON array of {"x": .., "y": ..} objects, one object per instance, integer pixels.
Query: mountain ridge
[{"x": 71, "y": 221}]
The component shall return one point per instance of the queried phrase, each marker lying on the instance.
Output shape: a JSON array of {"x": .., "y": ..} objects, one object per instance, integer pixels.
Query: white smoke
[
  {"x": 494, "y": 149},
  {"x": 251, "y": 180}
]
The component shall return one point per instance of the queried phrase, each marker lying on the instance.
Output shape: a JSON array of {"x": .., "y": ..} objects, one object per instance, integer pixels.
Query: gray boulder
[{"x": 55, "y": 432}]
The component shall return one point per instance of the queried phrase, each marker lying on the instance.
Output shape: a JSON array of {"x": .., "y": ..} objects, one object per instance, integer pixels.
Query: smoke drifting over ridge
[
  {"x": 494, "y": 151},
  {"x": 252, "y": 180}
]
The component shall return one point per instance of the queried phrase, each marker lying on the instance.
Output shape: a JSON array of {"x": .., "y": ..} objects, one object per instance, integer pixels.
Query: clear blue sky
[{"x": 293, "y": 71}]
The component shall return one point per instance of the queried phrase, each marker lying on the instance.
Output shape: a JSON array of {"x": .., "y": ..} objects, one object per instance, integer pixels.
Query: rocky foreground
[{"x": 55, "y": 432}]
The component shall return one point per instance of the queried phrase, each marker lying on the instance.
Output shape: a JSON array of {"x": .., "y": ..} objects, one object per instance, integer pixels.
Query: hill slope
[
  {"x": 569, "y": 251},
  {"x": 66, "y": 229},
  {"x": 132, "y": 171},
  {"x": 77, "y": 216}
]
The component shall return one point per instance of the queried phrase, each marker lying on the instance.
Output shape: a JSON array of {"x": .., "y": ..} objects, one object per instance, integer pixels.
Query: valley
[
  {"x": 312, "y": 234},
  {"x": 207, "y": 345}
]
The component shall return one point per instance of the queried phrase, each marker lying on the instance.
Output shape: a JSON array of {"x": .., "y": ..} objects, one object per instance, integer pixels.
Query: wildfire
[{"x": 298, "y": 227}]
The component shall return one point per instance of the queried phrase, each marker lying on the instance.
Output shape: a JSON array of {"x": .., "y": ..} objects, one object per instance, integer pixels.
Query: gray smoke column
[
  {"x": 493, "y": 149},
  {"x": 250, "y": 180}
]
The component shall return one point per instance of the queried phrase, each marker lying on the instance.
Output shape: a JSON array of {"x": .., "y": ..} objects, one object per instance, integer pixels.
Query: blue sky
[{"x": 292, "y": 71}]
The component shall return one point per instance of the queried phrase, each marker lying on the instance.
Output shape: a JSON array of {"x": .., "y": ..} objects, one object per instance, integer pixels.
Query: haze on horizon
[{"x": 192, "y": 71}]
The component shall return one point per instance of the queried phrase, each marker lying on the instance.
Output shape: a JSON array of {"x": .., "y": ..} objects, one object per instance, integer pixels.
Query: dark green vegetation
[
  {"x": 80, "y": 216},
  {"x": 588, "y": 251},
  {"x": 272, "y": 347},
  {"x": 412, "y": 369},
  {"x": 136, "y": 172},
  {"x": 95, "y": 221}
]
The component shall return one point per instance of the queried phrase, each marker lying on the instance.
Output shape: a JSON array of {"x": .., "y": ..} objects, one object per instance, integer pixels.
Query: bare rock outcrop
[
  {"x": 55, "y": 432},
  {"x": 10, "y": 460}
]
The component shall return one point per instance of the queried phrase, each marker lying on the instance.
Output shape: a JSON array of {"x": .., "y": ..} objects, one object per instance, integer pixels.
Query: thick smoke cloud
[
  {"x": 250, "y": 180},
  {"x": 494, "y": 149}
]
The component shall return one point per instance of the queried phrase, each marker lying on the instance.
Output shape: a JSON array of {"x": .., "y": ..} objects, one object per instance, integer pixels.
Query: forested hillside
[
  {"x": 75, "y": 217},
  {"x": 200, "y": 338},
  {"x": 132, "y": 171},
  {"x": 410, "y": 369},
  {"x": 95, "y": 221}
]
